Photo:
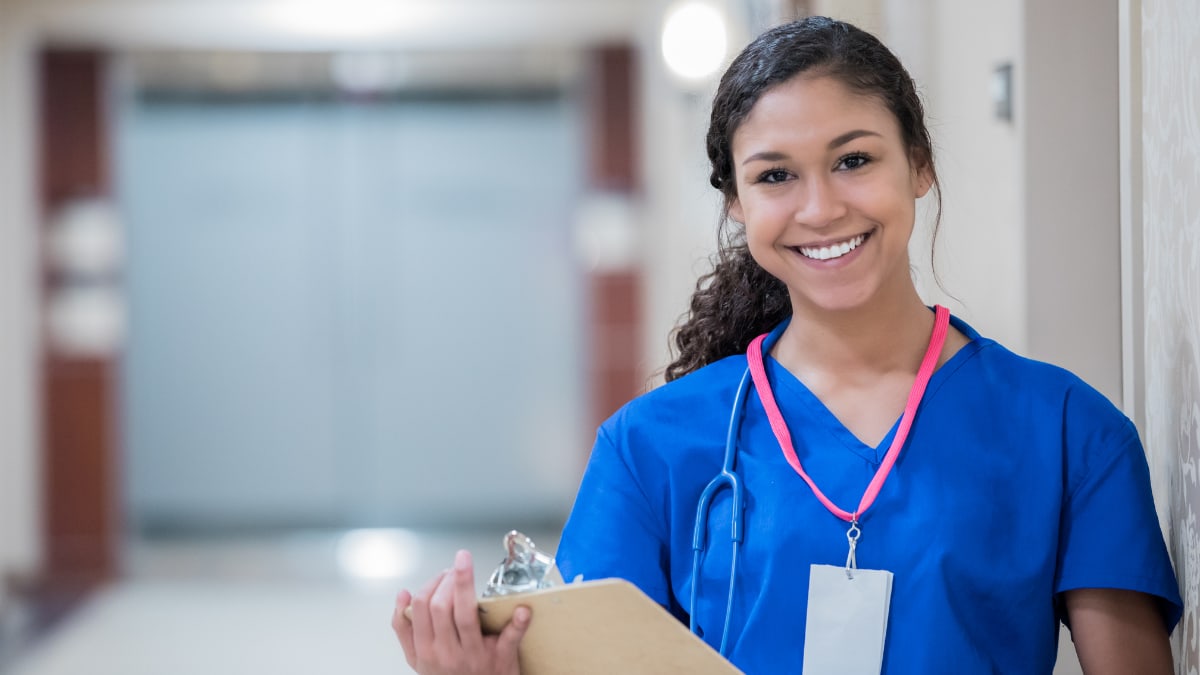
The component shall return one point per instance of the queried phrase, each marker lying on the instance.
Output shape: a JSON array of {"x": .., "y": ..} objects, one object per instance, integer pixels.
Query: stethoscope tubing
[{"x": 726, "y": 478}]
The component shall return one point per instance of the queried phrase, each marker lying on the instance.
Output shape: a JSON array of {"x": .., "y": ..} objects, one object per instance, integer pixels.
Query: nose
[{"x": 819, "y": 203}]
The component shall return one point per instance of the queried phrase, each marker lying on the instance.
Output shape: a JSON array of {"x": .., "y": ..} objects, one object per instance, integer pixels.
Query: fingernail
[
  {"x": 462, "y": 560},
  {"x": 521, "y": 615}
]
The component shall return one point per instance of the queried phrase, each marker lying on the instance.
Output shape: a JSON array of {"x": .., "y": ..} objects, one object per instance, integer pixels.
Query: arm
[
  {"x": 1118, "y": 632},
  {"x": 1115, "y": 580}
]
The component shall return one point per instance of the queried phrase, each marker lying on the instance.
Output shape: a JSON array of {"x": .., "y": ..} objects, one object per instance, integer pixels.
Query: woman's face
[{"x": 826, "y": 192}]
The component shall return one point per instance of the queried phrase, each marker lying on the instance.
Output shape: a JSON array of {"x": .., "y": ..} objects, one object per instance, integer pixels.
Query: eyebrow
[
  {"x": 850, "y": 136},
  {"x": 775, "y": 156}
]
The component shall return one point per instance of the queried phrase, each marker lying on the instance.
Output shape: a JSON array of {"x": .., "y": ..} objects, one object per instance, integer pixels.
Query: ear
[
  {"x": 735, "y": 211},
  {"x": 921, "y": 183},
  {"x": 922, "y": 176}
]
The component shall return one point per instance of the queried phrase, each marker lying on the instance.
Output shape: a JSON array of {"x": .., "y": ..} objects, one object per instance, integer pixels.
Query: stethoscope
[{"x": 727, "y": 478}]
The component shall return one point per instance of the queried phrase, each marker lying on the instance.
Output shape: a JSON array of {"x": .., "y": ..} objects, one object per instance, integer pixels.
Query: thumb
[{"x": 510, "y": 637}]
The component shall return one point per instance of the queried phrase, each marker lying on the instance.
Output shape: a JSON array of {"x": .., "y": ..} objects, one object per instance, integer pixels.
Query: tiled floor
[{"x": 297, "y": 604}]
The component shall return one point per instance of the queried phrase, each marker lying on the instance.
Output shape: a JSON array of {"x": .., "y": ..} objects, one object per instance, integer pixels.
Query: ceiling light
[{"x": 693, "y": 40}]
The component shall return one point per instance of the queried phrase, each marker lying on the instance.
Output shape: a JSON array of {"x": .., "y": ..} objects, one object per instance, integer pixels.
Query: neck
[{"x": 887, "y": 335}]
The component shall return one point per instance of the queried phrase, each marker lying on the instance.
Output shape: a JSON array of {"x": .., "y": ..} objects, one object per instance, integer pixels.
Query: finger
[
  {"x": 510, "y": 637},
  {"x": 441, "y": 611},
  {"x": 466, "y": 607},
  {"x": 403, "y": 628},
  {"x": 423, "y": 635}
]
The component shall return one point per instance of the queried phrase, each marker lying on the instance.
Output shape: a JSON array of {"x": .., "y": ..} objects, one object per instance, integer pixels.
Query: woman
[{"x": 1003, "y": 494}]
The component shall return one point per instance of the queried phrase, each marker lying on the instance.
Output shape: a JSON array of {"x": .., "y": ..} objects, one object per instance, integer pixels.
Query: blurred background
[{"x": 297, "y": 297}]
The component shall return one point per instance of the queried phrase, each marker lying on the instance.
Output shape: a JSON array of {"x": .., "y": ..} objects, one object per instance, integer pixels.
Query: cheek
[
  {"x": 763, "y": 225},
  {"x": 892, "y": 204},
  {"x": 763, "y": 243},
  {"x": 765, "y": 213}
]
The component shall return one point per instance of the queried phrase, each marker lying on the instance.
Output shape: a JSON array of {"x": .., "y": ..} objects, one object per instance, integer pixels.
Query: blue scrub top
[{"x": 1018, "y": 482}]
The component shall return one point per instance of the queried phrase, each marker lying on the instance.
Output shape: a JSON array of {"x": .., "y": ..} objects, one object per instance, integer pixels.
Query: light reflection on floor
[{"x": 316, "y": 602}]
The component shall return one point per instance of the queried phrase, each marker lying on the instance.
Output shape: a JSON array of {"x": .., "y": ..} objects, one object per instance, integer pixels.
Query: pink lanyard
[{"x": 759, "y": 374}]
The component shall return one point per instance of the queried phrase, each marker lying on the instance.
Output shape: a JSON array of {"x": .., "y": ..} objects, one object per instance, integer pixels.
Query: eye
[
  {"x": 772, "y": 176},
  {"x": 855, "y": 160}
]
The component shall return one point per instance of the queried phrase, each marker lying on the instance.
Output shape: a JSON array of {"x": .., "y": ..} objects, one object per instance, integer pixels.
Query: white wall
[
  {"x": 1069, "y": 101},
  {"x": 1030, "y": 246},
  {"x": 19, "y": 512},
  {"x": 680, "y": 210},
  {"x": 952, "y": 53},
  {"x": 866, "y": 14},
  {"x": 1169, "y": 134}
]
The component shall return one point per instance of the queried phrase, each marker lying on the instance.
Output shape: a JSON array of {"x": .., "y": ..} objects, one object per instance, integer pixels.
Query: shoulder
[
  {"x": 712, "y": 385},
  {"x": 664, "y": 443},
  {"x": 679, "y": 411},
  {"x": 1050, "y": 403},
  {"x": 1026, "y": 382}
]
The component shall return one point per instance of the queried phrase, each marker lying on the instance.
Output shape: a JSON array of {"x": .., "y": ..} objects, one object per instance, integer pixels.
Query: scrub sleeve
[
  {"x": 625, "y": 536},
  {"x": 1109, "y": 536}
]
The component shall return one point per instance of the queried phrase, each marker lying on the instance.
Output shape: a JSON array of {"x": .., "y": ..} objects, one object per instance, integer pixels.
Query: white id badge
[{"x": 847, "y": 620}]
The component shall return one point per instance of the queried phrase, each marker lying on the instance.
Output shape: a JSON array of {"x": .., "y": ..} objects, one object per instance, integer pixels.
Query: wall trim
[{"x": 1133, "y": 377}]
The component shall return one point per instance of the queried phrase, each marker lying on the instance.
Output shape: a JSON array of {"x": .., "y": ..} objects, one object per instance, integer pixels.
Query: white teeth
[{"x": 835, "y": 251}]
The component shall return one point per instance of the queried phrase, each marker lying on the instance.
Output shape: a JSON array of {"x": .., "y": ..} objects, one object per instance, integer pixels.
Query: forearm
[{"x": 1118, "y": 633}]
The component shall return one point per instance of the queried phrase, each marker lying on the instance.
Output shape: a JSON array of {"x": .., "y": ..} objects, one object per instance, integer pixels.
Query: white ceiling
[{"x": 306, "y": 25}]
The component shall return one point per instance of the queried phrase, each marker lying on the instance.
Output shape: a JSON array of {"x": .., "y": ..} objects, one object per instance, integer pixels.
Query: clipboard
[{"x": 602, "y": 627}]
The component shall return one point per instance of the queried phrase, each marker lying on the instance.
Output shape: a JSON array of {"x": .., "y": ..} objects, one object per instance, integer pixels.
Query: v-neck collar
[{"x": 799, "y": 393}]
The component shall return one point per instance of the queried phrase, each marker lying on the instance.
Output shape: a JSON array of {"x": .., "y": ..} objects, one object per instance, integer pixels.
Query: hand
[{"x": 443, "y": 636}]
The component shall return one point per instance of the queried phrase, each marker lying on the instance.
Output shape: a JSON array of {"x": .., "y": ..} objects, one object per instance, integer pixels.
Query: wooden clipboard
[{"x": 602, "y": 627}]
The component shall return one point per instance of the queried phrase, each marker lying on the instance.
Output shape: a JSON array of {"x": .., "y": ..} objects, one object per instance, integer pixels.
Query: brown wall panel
[
  {"x": 81, "y": 527},
  {"x": 74, "y": 138},
  {"x": 80, "y": 469},
  {"x": 615, "y": 355},
  {"x": 612, "y": 117},
  {"x": 616, "y": 295}
]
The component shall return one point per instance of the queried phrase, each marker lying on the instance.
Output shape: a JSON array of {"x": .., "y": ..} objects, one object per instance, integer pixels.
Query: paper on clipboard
[{"x": 602, "y": 627}]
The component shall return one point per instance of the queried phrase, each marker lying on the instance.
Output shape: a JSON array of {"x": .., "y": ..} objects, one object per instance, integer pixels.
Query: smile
[{"x": 832, "y": 251}]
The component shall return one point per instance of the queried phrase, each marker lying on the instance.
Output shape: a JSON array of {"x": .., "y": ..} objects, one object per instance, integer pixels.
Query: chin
[
  {"x": 861, "y": 293},
  {"x": 834, "y": 302}
]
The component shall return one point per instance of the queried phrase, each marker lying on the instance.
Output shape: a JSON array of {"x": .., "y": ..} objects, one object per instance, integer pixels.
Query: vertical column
[
  {"x": 609, "y": 233},
  {"x": 1070, "y": 109},
  {"x": 79, "y": 407},
  {"x": 19, "y": 509}
]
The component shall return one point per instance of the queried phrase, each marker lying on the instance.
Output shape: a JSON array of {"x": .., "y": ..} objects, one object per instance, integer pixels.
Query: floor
[
  {"x": 300, "y": 603},
  {"x": 297, "y": 603}
]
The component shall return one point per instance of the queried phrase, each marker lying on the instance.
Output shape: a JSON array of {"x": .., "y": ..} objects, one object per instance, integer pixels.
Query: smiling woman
[{"x": 996, "y": 495}]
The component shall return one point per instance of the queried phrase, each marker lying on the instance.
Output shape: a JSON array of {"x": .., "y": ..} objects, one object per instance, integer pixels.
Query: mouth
[{"x": 832, "y": 250}]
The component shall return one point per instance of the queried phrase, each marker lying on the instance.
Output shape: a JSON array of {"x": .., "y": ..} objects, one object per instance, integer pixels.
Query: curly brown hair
[{"x": 738, "y": 299}]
